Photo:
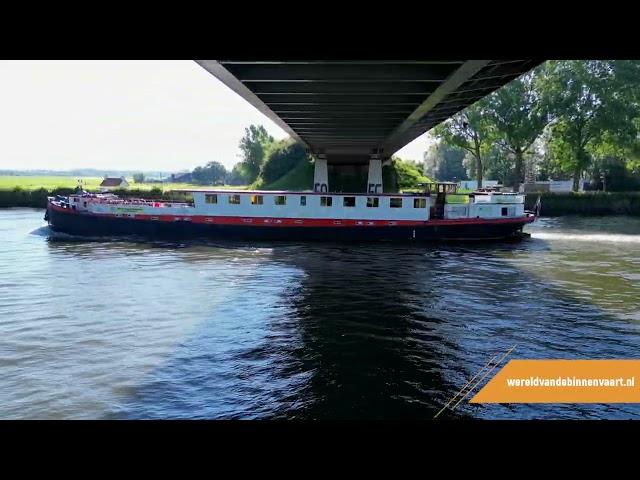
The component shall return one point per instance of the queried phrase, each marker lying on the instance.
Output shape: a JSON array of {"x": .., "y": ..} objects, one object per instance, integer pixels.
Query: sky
[{"x": 157, "y": 116}]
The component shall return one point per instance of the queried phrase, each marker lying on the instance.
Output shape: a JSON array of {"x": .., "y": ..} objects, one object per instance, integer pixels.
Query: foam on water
[{"x": 587, "y": 237}]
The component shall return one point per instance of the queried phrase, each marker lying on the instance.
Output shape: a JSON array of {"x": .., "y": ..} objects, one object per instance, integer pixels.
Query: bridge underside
[{"x": 351, "y": 111}]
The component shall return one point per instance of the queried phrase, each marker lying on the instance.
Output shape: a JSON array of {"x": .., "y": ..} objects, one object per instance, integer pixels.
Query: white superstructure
[{"x": 312, "y": 205}]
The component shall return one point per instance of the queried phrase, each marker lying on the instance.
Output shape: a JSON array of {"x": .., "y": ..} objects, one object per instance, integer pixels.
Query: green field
[{"x": 25, "y": 182}]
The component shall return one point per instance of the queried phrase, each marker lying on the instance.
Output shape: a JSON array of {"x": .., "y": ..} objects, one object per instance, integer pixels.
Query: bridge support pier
[
  {"x": 374, "y": 180},
  {"x": 320, "y": 174}
]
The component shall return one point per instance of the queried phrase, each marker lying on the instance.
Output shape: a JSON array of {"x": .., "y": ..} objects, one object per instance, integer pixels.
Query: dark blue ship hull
[{"x": 79, "y": 224}]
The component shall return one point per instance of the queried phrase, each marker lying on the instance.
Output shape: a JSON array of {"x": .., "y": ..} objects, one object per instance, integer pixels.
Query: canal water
[{"x": 117, "y": 329}]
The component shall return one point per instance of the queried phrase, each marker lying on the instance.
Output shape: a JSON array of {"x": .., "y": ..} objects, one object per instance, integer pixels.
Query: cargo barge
[{"x": 436, "y": 213}]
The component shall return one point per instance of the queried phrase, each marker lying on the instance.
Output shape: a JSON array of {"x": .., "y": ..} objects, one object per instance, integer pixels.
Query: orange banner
[{"x": 564, "y": 381}]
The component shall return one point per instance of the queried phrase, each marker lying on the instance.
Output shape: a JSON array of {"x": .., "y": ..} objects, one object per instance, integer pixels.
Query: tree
[
  {"x": 237, "y": 176},
  {"x": 594, "y": 104},
  {"x": 138, "y": 177},
  {"x": 282, "y": 157},
  {"x": 518, "y": 116},
  {"x": 212, "y": 172},
  {"x": 540, "y": 162},
  {"x": 253, "y": 145},
  {"x": 445, "y": 163},
  {"x": 618, "y": 176},
  {"x": 499, "y": 163},
  {"x": 403, "y": 174},
  {"x": 471, "y": 131}
]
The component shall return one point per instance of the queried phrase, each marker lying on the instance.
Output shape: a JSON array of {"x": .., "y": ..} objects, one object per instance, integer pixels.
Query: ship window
[
  {"x": 303, "y": 200},
  {"x": 76, "y": 199},
  {"x": 211, "y": 198},
  {"x": 257, "y": 199},
  {"x": 505, "y": 211},
  {"x": 280, "y": 200},
  {"x": 84, "y": 204},
  {"x": 325, "y": 201},
  {"x": 349, "y": 201},
  {"x": 419, "y": 203},
  {"x": 234, "y": 199},
  {"x": 373, "y": 202},
  {"x": 395, "y": 202}
]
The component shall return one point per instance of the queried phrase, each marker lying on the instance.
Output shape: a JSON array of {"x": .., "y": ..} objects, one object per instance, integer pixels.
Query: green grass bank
[{"x": 28, "y": 182}]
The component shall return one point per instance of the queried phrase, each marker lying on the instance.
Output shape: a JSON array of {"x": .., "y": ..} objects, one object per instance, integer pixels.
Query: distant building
[
  {"x": 473, "y": 184},
  {"x": 181, "y": 177},
  {"x": 550, "y": 186},
  {"x": 113, "y": 183}
]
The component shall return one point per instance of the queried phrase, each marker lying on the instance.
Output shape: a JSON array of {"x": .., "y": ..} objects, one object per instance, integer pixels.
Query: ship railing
[
  {"x": 140, "y": 202},
  {"x": 499, "y": 198},
  {"x": 483, "y": 197}
]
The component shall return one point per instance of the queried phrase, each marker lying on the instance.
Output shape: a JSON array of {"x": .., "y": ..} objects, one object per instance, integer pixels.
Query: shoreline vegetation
[
  {"x": 32, "y": 191},
  {"x": 280, "y": 173},
  {"x": 585, "y": 203},
  {"x": 553, "y": 204},
  {"x": 575, "y": 120}
]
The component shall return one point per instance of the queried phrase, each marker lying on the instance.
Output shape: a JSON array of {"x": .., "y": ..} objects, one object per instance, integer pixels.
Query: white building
[
  {"x": 112, "y": 183},
  {"x": 473, "y": 184},
  {"x": 551, "y": 186}
]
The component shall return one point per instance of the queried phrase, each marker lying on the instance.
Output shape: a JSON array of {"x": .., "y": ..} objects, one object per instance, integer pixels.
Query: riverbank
[
  {"x": 586, "y": 203},
  {"x": 553, "y": 204}
]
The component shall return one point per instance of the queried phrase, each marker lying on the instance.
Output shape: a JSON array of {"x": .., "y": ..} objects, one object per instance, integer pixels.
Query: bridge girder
[{"x": 349, "y": 110}]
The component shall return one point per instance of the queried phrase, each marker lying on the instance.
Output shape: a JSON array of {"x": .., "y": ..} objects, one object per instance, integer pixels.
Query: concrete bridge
[{"x": 358, "y": 113}]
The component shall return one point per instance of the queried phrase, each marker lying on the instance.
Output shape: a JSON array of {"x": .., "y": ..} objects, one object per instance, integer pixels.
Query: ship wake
[{"x": 587, "y": 237}]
